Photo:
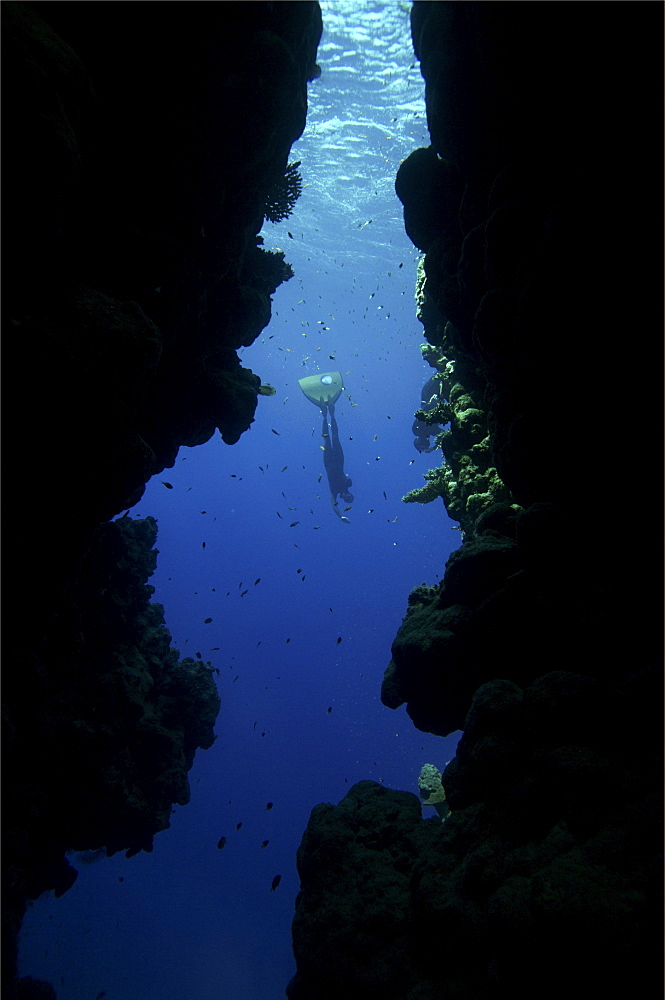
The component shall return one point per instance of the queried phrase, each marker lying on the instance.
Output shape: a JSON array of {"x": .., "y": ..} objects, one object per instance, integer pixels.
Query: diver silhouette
[
  {"x": 429, "y": 397},
  {"x": 333, "y": 461},
  {"x": 324, "y": 390}
]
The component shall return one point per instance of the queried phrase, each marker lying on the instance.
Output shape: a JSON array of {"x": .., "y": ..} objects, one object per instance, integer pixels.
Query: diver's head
[
  {"x": 346, "y": 496},
  {"x": 421, "y": 444}
]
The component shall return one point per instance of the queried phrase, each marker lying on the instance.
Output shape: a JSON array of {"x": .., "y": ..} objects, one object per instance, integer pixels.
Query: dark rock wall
[
  {"x": 539, "y": 208},
  {"x": 143, "y": 143},
  {"x": 144, "y": 146}
]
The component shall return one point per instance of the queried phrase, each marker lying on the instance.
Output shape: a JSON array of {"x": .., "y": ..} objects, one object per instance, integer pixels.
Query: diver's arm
[{"x": 335, "y": 507}]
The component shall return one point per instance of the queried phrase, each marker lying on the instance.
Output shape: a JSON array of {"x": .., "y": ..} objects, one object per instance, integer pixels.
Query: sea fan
[{"x": 284, "y": 194}]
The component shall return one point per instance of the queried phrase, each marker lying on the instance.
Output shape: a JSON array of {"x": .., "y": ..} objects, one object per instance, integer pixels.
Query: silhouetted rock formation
[
  {"x": 143, "y": 145},
  {"x": 539, "y": 208},
  {"x": 358, "y": 858}
]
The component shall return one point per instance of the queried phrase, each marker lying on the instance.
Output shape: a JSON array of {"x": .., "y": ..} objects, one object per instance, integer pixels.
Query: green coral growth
[
  {"x": 431, "y": 790},
  {"x": 284, "y": 194},
  {"x": 437, "y": 486},
  {"x": 467, "y": 480},
  {"x": 441, "y": 414}
]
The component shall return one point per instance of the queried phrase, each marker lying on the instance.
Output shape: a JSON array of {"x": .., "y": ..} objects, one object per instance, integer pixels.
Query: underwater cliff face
[
  {"x": 145, "y": 149},
  {"x": 542, "y": 640}
]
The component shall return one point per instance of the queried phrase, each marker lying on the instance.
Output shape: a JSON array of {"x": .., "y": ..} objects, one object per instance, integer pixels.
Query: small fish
[
  {"x": 347, "y": 508},
  {"x": 274, "y": 431},
  {"x": 169, "y": 486},
  {"x": 293, "y": 524},
  {"x": 244, "y": 592},
  {"x": 258, "y": 580},
  {"x": 198, "y": 656},
  {"x": 278, "y": 514},
  {"x": 264, "y": 844},
  {"x": 376, "y": 437},
  {"x": 329, "y": 709},
  {"x": 288, "y": 640},
  {"x": 384, "y": 495},
  {"x": 289, "y": 234},
  {"x": 261, "y": 468},
  {"x": 371, "y": 510},
  {"x": 207, "y": 621},
  {"x": 258, "y": 643},
  {"x": 303, "y": 576},
  {"x": 275, "y": 882},
  {"x": 221, "y": 843},
  {"x": 214, "y": 649},
  {"x": 203, "y": 512},
  {"x": 285, "y": 468},
  {"x": 339, "y": 639},
  {"x": 235, "y": 678},
  {"x": 203, "y": 545},
  {"x": 238, "y": 825},
  {"x": 268, "y": 805}
]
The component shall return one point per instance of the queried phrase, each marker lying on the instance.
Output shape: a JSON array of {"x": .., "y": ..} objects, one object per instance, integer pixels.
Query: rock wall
[
  {"x": 143, "y": 149},
  {"x": 538, "y": 208}
]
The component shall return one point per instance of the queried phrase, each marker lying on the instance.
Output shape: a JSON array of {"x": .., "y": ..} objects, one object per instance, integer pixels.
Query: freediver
[
  {"x": 333, "y": 461},
  {"x": 429, "y": 398},
  {"x": 324, "y": 390}
]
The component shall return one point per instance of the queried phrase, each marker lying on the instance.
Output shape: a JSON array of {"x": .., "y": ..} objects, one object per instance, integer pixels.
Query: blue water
[{"x": 301, "y": 717}]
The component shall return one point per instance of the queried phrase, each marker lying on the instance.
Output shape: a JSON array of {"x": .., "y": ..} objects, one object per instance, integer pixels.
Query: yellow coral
[{"x": 432, "y": 791}]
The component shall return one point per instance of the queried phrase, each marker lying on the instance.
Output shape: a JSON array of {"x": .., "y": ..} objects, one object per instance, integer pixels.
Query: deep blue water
[{"x": 191, "y": 922}]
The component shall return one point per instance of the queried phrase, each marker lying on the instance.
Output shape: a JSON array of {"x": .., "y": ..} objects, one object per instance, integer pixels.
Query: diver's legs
[{"x": 333, "y": 428}]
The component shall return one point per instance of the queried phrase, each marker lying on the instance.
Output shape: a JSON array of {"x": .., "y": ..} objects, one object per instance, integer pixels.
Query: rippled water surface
[{"x": 366, "y": 114}]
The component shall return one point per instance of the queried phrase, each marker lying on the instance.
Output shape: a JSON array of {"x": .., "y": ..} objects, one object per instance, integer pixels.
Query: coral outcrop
[
  {"x": 356, "y": 857},
  {"x": 109, "y": 724},
  {"x": 142, "y": 146},
  {"x": 542, "y": 642},
  {"x": 467, "y": 479},
  {"x": 431, "y": 790}
]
